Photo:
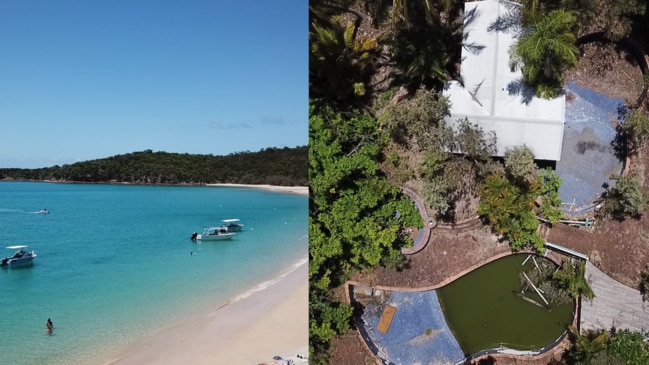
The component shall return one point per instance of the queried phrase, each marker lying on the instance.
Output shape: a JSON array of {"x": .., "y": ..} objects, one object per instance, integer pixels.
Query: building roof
[{"x": 494, "y": 97}]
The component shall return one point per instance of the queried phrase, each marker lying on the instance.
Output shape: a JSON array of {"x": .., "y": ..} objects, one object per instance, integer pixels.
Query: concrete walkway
[
  {"x": 429, "y": 223},
  {"x": 615, "y": 305}
]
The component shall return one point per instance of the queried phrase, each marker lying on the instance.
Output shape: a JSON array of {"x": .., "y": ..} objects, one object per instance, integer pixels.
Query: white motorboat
[
  {"x": 43, "y": 211},
  {"x": 21, "y": 257},
  {"x": 232, "y": 225},
  {"x": 213, "y": 234}
]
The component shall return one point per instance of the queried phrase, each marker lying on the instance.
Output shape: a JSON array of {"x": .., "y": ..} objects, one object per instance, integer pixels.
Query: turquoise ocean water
[{"x": 115, "y": 262}]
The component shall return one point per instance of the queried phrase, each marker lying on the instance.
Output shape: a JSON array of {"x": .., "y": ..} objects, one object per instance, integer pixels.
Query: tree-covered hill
[{"x": 275, "y": 166}]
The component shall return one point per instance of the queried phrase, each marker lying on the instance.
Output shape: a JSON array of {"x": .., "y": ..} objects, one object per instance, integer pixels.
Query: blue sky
[{"x": 88, "y": 79}]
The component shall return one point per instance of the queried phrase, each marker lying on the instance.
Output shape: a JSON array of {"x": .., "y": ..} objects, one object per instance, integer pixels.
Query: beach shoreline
[
  {"x": 251, "y": 329},
  {"x": 299, "y": 190}
]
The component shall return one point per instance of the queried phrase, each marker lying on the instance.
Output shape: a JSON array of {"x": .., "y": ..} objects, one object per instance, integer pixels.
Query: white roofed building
[{"x": 490, "y": 95}]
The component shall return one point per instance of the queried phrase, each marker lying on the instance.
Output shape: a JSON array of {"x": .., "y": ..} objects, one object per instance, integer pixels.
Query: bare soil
[{"x": 607, "y": 69}]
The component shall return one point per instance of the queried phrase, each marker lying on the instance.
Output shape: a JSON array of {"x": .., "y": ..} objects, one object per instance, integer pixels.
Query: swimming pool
[
  {"x": 484, "y": 308},
  {"x": 481, "y": 311}
]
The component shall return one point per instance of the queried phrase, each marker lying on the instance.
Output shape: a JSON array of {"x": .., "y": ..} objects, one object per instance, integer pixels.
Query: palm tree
[
  {"x": 408, "y": 12},
  {"x": 588, "y": 345},
  {"x": 338, "y": 59},
  {"x": 571, "y": 279},
  {"x": 545, "y": 50}
]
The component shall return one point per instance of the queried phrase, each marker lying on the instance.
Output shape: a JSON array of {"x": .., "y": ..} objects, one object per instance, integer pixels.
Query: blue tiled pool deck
[
  {"x": 588, "y": 158},
  {"x": 418, "y": 333}
]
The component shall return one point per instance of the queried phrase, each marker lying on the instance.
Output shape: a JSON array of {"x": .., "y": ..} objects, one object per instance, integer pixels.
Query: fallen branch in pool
[
  {"x": 530, "y": 300},
  {"x": 537, "y": 290}
]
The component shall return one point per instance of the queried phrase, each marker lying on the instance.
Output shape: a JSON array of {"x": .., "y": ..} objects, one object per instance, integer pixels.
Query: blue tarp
[{"x": 588, "y": 157}]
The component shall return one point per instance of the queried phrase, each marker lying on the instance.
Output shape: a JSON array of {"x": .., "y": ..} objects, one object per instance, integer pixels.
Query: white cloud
[{"x": 229, "y": 126}]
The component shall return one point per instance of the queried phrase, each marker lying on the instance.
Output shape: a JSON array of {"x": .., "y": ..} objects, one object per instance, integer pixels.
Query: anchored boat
[
  {"x": 232, "y": 225},
  {"x": 213, "y": 234},
  {"x": 21, "y": 257}
]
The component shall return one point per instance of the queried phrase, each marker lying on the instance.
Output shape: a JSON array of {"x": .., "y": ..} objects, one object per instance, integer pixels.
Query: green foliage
[
  {"x": 545, "y": 51},
  {"x": 550, "y": 206},
  {"x": 437, "y": 190},
  {"x": 326, "y": 320},
  {"x": 636, "y": 129},
  {"x": 587, "y": 346},
  {"x": 508, "y": 201},
  {"x": 531, "y": 12},
  {"x": 432, "y": 163},
  {"x": 419, "y": 11},
  {"x": 340, "y": 61},
  {"x": 629, "y": 346},
  {"x": 519, "y": 163},
  {"x": 410, "y": 216},
  {"x": 472, "y": 142},
  {"x": 423, "y": 57},
  {"x": 572, "y": 280},
  {"x": 424, "y": 40},
  {"x": 275, "y": 166},
  {"x": 613, "y": 17},
  {"x": 510, "y": 211},
  {"x": 607, "y": 348},
  {"x": 447, "y": 176},
  {"x": 353, "y": 220},
  {"x": 626, "y": 198},
  {"x": 417, "y": 122},
  {"x": 331, "y": 320},
  {"x": 437, "y": 195}
]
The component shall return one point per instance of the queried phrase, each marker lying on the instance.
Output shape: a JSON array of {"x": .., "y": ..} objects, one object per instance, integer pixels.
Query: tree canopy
[
  {"x": 355, "y": 214},
  {"x": 626, "y": 198},
  {"x": 545, "y": 50}
]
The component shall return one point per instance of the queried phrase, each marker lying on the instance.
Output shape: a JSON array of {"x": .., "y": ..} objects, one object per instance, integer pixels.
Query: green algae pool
[{"x": 483, "y": 310}]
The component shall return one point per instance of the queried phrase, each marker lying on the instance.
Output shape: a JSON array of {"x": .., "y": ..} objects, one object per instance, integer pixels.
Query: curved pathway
[
  {"x": 615, "y": 305},
  {"x": 429, "y": 223}
]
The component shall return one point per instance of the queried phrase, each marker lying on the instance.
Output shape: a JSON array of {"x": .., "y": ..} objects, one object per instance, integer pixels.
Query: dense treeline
[{"x": 275, "y": 166}]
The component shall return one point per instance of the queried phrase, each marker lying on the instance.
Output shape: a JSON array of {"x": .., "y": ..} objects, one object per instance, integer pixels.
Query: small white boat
[
  {"x": 232, "y": 225},
  {"x": 213, "y": 234},
  {"x": 21, "y": 257},
  {"x": 43, "y": 211}
]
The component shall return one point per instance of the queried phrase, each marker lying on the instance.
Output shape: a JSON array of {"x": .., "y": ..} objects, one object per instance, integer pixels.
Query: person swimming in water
[{"x": 49, "y": 325}]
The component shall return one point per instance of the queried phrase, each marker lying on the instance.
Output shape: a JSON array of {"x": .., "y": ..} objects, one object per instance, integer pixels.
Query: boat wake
[{"x": 9, "y": 211}]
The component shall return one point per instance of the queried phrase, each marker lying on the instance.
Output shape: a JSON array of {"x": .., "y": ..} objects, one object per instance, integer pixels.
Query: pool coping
[{"x": 543, "y": 352}]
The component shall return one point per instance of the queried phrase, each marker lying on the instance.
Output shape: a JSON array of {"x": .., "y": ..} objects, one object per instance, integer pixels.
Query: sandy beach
[
  {"x": 300, "y": 190},
  {"x": 250, "y": 330}
]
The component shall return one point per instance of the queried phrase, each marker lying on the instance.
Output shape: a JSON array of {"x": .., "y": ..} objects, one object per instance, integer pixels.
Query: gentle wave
[{"x": 266, "y": 284}]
